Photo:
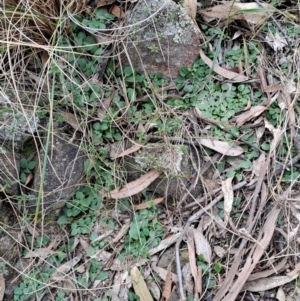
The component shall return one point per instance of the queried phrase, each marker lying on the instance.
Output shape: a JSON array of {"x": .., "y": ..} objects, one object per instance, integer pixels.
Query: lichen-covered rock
[
  {"x": 9, "y": 171},
  {"x": 161, "y": 38},
  {"x": 64, "y": 170},
  {"x": 17, "y": 120}
]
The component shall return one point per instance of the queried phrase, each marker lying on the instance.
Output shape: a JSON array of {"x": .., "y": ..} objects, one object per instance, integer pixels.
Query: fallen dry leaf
[
  {"x": 191, "y": 8},
  {"x": 127, "y": 152},
  {"x": 192, "y": 259},
  {"x": 237, "y": 11},
  {"x": 72, "y": 120},
  {"x": 167, "y": 291},
  {"x": 228, "y": 198},
  {"x": 269, "y": 283},
  {"x": 2, "y": 287},
  {"x": 66, "y": 267},
  {"x": 276, "y": 41},
  {"x": 222, "y": 147},
  {"x": 202, "y": 245},
  {"x": 162, "y": 273},
  {"x": 235, "y": 77},
  {"x": 148, "y": 204},
  {"x": 280, "y": 295},
  {"x": 101, "y": 3},
  {"x": 139, "y": 285},
  {"x": 136, "y": 186},
  {"x": 164, "y": 244},
  {"x": 117, "y": 12},
  {"x": 252, "y": 113},
  {"x": 276, "y": 133}
]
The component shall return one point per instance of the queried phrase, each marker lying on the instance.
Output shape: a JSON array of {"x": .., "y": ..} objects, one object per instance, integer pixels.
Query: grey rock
[
  {"x": 64, "y": 170},
  {"x": 17, "y": 121},
  {"x": 9, "y": 171},
  {"x": 161, "y": 38}
]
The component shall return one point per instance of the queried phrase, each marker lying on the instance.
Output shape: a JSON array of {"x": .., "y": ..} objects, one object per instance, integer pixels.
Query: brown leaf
[
  {"x": 104, "y": 3},
  {"x": 235, "y": 77},
  {"x": 148, "y": 204},
  {"x": 117, "y": 12},
  {"x": 246, "y": 116},
  {"x": 222, "y": 147},
  {"x": 127, "y": 152},
  {"x": 72, "y": 120},
  {"x": 191, "y": 8},
  {"x": 139, "y": 285},
  {"x": 167, "y": 291},
  {"x": 136, "y": 186}
]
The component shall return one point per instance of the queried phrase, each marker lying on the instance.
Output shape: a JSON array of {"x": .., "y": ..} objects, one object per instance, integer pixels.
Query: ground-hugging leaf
[
  {"x": 139, "y": 285},
  {"x": 250, "y": 114},
  {"x": 233, "y": 76},
  {"x": 2, "y": 287},
  {"x": 191, "y": 8},
  {"x": 136, "y": 186},
  {"x": 222, "y": 147}
]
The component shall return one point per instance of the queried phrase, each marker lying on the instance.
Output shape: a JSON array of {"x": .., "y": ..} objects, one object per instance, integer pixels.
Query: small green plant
[
  {"x": 26, "y": 168},
  {"x": 33, "y": 285},
  {"x": 209, "y": 273},
  {"x": 95, "y": 273},
  {"x": 145, "y": 232},
  {"x": 83, "y": 225}
]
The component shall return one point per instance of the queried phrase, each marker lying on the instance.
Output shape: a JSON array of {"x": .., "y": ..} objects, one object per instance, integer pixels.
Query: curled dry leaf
[
  {"x": 235, "y": 77},
  {"x": 136, "y": 186},
  {"x": 276, "y": 133},
  {"x": 139, "y": 285},
  {"x": 237, "y": 11},
  {"x": 252, "y": 113},
  {"x": 222, "y": 147},
  {"x": 66, "y": 267},
  {"x": 228, "y": 198}
]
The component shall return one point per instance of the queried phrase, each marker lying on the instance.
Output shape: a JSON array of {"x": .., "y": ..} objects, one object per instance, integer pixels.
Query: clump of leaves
[
  {"x": 26, "y": 168},
  {"x": 145, "y": 232}
]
